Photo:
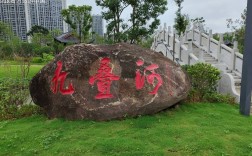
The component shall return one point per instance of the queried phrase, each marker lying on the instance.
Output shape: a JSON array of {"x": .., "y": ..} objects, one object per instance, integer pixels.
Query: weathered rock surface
[{"x": 108, "y": 82}]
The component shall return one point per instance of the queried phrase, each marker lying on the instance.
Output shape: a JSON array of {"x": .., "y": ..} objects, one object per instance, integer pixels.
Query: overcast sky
[{"x": 215, "y": 12}]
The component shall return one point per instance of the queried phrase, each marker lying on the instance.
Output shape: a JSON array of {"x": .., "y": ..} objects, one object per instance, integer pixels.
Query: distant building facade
[
  {"x": 97, "y": 24},
  {"x": 15, "y": 15},
  {"x": 23, "y": 14}
]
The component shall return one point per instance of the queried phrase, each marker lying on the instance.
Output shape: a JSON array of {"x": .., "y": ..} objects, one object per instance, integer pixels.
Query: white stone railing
[
  {"x": 183, "y": 47},
  {"x": 169, "y": 43},
  {"x": 191, "y": 47}
]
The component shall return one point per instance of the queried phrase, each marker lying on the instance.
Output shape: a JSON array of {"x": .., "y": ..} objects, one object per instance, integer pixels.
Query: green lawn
[
  {"x": 14, "y": 71},
  {"x": 191, "y": 129}
]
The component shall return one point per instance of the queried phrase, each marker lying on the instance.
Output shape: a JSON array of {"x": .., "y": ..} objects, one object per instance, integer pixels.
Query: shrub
[
  {"x": 37, "y": 60},
  {"x": 6, "y": 51},
  {"x": 13, "y": 96},
  {"x": 204, "y": 79},
  {"x": 47, "y": 57},
  {"x": 25, "y": 49},
  {"x": 44, "y": 49},
  {"x": 219, "y": 98}
]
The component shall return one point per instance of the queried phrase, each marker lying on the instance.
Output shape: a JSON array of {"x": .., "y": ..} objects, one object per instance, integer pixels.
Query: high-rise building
[
  {"x": 97, "y": 24},
  {"x": 48, "y": 14},
  {"x": 23, "y": 14},
  {"x": 15, "y": 15}
]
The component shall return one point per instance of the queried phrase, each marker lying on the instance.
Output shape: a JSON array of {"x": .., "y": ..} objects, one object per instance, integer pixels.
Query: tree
[
  {"x": 37, "y": 29},
  {"x": 147, "y": 42},
  {"x": 40, "y": 39},
  {"x": 55, "y": 32},
  {"x": 113, "y": 14},
  {"x": 5, "y": 31},
  {"x": 79, "y": 18},
  {"x": 143, "y": 11},
  {"x": 181, "y": 20},
  {"x": 238, "y": 27},
  {"x": 198, "y": 20},
  {"x": 200, "y": 23},
  {"x": 45, "y": 39}
]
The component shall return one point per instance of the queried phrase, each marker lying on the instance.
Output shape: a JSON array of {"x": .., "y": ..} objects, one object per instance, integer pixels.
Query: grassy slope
[{"x": 191, "y": 129}]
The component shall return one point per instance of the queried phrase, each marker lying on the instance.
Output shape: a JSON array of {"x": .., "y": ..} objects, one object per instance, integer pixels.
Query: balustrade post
[
  {"x": 174, "y": 33},
  {"x": 173, "y": 45},
  {"x": 219, "y": 48},
  {"x": 169, "y": 32},
  {"x": 186, "y": 32},
  {"x": 155, "y": 41},
  {"x": 181, "y": 42},
  {"x": 194, "y": 26},
  {"x": 235, "y": 49},
  {"x": 200, "y": 37},
  {"x": 209, "y": 41},
  {"x": 159, "y": 33},
  {"x": 164, "y": 30},
  {"x": 189, "y": 51}
]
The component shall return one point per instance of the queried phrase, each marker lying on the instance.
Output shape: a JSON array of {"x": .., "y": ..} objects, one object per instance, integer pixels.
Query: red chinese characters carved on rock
[
  {"x": 104, "y": 78},
  {"x": 61, "y": 77},
  {"x": 140, "y": 80}
]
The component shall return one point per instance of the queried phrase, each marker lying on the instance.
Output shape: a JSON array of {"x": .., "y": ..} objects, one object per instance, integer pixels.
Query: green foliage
[
  {"x": 5, "y": 32},
  {"x": 219, "y": 98},
  {"x": 147, "y": 43},
  {"x": 240, "y": 37},
  {"x": 37, "y": 29},
  {"x": 238, "y": 26},
  {"x": 57, "y": 47},
  {"x": 44, "y": 59},
  {"x": 226, "y": 37},
  {"x": 47, "y": 57},
  {"x": 13, "y": 95},
  {"x": 21, "y": 49},
  {"x": 37, "y": 60},
  {"x": 200, "y": 23},
  {"x": 43, "y": 49},
  {"x": 14, "y": 90},
  {"x": 55, "y": 32},
  {"x": 79, "y": 18},
  {"x": 26, "y": 50},
  {"x": 112, "y": 15},
  {"x": 6, "y": 50},
  {"x": 41, "y": 39},
  {"x": 198, "y": 20},
  {"x": 99, "y": 39},
  {"x": 181, "y": 21},
  {"x": 204, "y": 79},
  {"x": 15, "y": 48},
  {"x": 135, "y": 29},
  {"x": 144, "y": 11}
]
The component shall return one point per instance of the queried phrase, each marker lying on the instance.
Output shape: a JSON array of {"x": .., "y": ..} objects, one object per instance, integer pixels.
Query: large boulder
[{"x": 104, "y": 82}]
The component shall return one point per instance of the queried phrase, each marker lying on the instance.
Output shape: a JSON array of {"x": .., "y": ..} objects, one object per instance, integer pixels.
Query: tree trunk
[
  {"x": 118, "y": 26},
  {"x": 80, "y": 32},
  {"x": 133, "y": 23}
]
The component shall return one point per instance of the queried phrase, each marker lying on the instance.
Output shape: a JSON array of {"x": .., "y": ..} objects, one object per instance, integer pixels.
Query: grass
[
  {"x": 14, "y": 62},
  {"x": 14, "y": 71},
  {"x": 191, "y": 129}
]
